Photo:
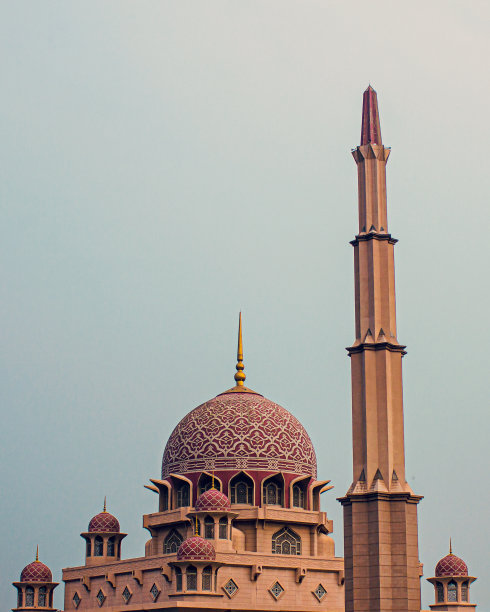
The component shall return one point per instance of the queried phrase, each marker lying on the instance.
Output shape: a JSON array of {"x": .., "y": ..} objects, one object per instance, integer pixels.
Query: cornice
[
  {"x": 373, "y": 235},
  {"x": 410, "y": 498},
  {"x": 376, "y": 346}
]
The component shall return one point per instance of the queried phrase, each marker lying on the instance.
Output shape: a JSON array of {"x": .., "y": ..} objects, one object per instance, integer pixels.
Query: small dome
[
  {"x": 451, "y": 565},
  {"x": 196, "y": 549},
  {"x": 36, "y": 572},
  {"x": 104, "y": 522},
  {"x": 212, "y": 500}
]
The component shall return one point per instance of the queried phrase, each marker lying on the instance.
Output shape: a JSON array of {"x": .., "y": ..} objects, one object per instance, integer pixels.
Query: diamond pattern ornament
[
  {"x": 320, "y": 592},
  {"x": 196, "y": 549},
  {"x": 126, "y": 594},
  {"x": 230, "y": 588},
  {"x": 451, "y": 565},
  {"x": 237, "y": 429},
  {"x": 100, "y": 597},
  {"x": 104, "y": 522},
  {"x": 213, "y": 500},
  {"x": 76, "y": 600},
  {"x": 276, "y": 590},
  {"x": 155, "y": 592},
  {"x": 36, "y": 572}
]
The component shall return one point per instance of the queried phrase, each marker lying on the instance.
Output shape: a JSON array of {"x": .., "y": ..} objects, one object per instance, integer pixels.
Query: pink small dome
[
  {"x": 451, "y": 565},
  {"x": 104, "y": 522},
  {"x": 212, "y": 500},
  {"x": 196, "y": 549},
  {"x": 36, "y": 572}
]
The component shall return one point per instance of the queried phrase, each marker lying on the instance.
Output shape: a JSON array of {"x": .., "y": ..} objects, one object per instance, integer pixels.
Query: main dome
[{"x": 239, "y": 430}]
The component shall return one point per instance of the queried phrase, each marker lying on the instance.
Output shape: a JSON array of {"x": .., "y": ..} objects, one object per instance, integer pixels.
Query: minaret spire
[
  {"x": 105, "y": 504},
  {"x": 240, "y": 374},
  {"x": 37, "y": 552},
  {"x": 382, "y": 570}
]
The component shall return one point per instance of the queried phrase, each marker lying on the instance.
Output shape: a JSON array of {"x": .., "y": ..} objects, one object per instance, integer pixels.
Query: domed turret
[
  {"x": 104, "y": 522},
  {"x": 36, "y": 572},
  {"x": 451, "y": 565},
  {"x": 212, "y": 500},
  {"x": 35, "y": 587},
  {"x": 196, "y": 548},
  {"x": 103, "y": 538},
  {"x": 451, "y": 584}
]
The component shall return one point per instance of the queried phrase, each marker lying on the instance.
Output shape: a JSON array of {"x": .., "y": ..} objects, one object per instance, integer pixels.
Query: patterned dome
[
  {"x": 196, "y": 549},
  {"x": 104, "y": 522},
  {"x": 36, "y": 572},
  {"x": 451, "y": 565},
  {"x": 239, "y": 431},
  {"x": 212, "y": 500}
]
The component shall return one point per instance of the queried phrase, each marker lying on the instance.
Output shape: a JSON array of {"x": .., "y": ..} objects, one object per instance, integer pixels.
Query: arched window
[
  {"x": 207, "y": 482},
  {"x": 241, "y": 489},
  {"x": 163, "y": 499},
  {"x": 20, "y": 599},
  {"x": 29, "y": 596},
  {"x": 183, "y": 495},
  {"x": 452, "y": 591},
  {"x": 191, "y": 576},
  {"x": 172, "y": 542},
  {"x": 41, "y": 597},
  {"x": 98, "y": 546},
  {"x": 440, "y": 592},
  {"x": 110, "y": 546},
  {"x": 88, "y": 550},
  {"x": 223, "y": 528},
  {"x": 207, "y": 575},
  {"x": 464, "y": 591},
  {"x": 209, "y": 528},
  {"x": 298, "y": 496},
  {"x": 178, "y": 579},
  {"x": 51, "y": 598},
  {"x": 286, "y": 542},
  {"x": 272, "y": 494}
]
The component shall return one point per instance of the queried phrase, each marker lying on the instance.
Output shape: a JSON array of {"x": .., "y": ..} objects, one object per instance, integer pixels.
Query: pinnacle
[{"x": 371, "y": 129}]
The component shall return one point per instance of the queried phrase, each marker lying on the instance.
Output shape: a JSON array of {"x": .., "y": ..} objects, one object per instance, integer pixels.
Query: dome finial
[
  {"x": 240, "y": 374},
  {"x": 105, "y": 504},
  {"x": 450, "y": 547},
  {"x": 196, "y": 531},
  {"x": 37, "y": 552}
]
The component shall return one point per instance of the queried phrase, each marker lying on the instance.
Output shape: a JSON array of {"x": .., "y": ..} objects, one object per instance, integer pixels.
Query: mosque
[{"x": 238, "y": 523}]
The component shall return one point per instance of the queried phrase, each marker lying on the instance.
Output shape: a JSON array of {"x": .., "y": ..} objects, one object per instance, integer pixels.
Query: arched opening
[
  {"x": 88, "y": 548},
  {"x": 51, "y": 598},
  {"x": 172, "y": 542},
  {"x": 440, "y": 592},
  {"x": 209, "y": 528},
  {"x": 20, "y": 598},
  {"x": 207, "y": 576},
  {"x": 464, "y": 591},
  {"x": 111, "y": 546},
  {"x": 286, "y": 542},
  {"x": 29, "y": 596},
  {"x": 183, "y": 494},
  {"x": 98, "y": 546},
  {"x": 206, "y": 482},
  {"x": 178, "y": 579},
  {"x": 299, "y": 496},
  {"x": 273, "y": 491},
  {"x": 191, "y": 578},
  {"x": 452, "y": 591},
  {"x": 241, "y": 489},
  {"x": 223, "y": 528},
  {"x": 41, "y": 597}
]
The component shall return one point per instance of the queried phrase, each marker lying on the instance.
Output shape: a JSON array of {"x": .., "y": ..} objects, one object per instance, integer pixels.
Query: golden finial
[
  {"x": 240, "y": 374},
  {"x": 105, "y": 504},
  {"x": 37, "y": 552},
  {"x": 212, "y": 480},
  {"x": 196, "y": 531},
  {"x": 450, "y": 547}
]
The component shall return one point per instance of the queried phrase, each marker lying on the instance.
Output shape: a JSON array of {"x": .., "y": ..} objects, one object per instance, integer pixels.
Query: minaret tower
[{"x": 382, "y": 570}]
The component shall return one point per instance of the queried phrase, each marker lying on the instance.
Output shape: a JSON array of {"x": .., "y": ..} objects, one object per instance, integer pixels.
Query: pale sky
[{"x": 166, "y": 164}]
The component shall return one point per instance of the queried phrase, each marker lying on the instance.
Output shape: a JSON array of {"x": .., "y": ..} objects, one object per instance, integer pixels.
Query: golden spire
[
  {"x": 105, "y": 504},
  {"x": 212, "y": 480},
  {"x": 240, "y": 374},
  {"x": 196, "y": 531},
  {"x": 450, "y": 547},
  {"x": 37, "y": 552}
]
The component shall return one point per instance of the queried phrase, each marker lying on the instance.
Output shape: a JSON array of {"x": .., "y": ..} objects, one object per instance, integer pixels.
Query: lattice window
[
  {"x": 286, "y": 542},
  {"x": 191, "y": 578},
  {"x": 100, "y": 597},
  {"x": 242, "y": 492},
  {"x": 276, "y": 590},
  {"x": 41, "y": 597},
  {"x": 110, "y": 547},
  {"x": 230, "y": 588},
  {"x": 223, "y": 528},
  {"x": 172, "y": 542},
  {"x": 320, "y": 592},
  {"x": 183, "y": 495},
  {"x": 207, "y": 575},
  {"x": 298, "y": 497},
  {"x": 272, "y": 494},
  {"x": 452, "y": 591},
  {"x": 209, "y": 528},
  {"x": 98, "y": 546},
  {"x": 154, "y": 592},
  {"x": 178, "y": 579},
  {"x": 29, "y": 596},
  {"x": 76, "y": 600},
  {"x": 126, "y": 594},
  {"x": 464, "y": 591},
  {"x": 20, "y": 598},
  {"x": 440, "y": 592}
]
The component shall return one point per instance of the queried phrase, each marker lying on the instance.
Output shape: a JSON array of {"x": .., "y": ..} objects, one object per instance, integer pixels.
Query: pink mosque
[{"x": 238, "y": 523}]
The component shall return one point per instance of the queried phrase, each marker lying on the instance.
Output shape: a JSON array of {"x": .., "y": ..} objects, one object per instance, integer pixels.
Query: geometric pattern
[
  {"x": 451, "y": 565},
  {"x": 104, "y": 522},
  {"x": 36, "y": 572},
  {"x": 239, "y": 431},
  {"x": 100, "y": 597},
  {"x": 126, "y": 594},
  {"x": 76, "y": 600},
  {"x": 155, "y": 592},
  {"x": 230, "y": 588},
  {"x": 276, "y": 590},
  {"x": 212, "y": 500},
  {"x": 196, "y": 548},
  {"x": 319, "y": 592}
]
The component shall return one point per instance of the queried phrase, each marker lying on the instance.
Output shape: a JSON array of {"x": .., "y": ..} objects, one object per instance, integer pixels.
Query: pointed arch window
[
  {"x": 207, "y": 577},
  {"x": 272, "y": 493},
  {"x": 41, "y": 597},
  {"x": 98, "y": 546},
  {"x": 191, "y": 578},
  {"x": 298, "y": 496},
  {"x": 223, "y": 528},
  {"x": 183, "y": 495},
  {"x": 241, "y": 490},
  {"x": 111, "y": 546},
  {"x": 464, "y": 591},
  {"x": 172, "y": 542},
  {"x": 209, "y": 528},
  {"x": 440, "y": 592},
  {"x": 452, "y": 591},
  {"x": 29, "y": 596},
  {"x": 286, "y": 542}
]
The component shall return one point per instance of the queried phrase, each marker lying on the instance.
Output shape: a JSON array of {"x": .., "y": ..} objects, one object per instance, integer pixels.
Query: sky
[{"x": 164, "y": 165}]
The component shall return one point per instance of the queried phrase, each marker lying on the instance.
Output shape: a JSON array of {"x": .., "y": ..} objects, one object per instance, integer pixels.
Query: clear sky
[{"x": 166, "y": 164}]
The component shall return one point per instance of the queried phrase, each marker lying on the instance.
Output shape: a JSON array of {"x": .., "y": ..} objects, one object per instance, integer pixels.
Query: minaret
[{"x": 382, "y": 570}]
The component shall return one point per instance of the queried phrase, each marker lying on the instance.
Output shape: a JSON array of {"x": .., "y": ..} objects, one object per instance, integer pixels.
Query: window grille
[
  {"x": 100, "y": 597},
  {"x": 286, "y": 542},
  {"x": 276, "y": 590},
  {"x": 464, "y": 591},
  {"x": 41, "y": 597},
  {"x": 76, "y": 600},
  {"x": 440, "y": 592},
  {"x": 223, "y": 528},
  {"x": 98, "y": 547},
  {"x": 230, "y": 588},
  {"x": 110, "y": 547},
  {"x": 191, "y": 576},
  {"x": 298, "y": 497},
  {"x": 320, "y": 592},
  {"x": 452, "y": 591},
  {"x": 154, "y": 592},
  {"x": 178, "y": 579},
  {"x": 29, "y": 596},
  {"x": 209, "y": 528},
  {"x": 172, "y": 542},
  {"x": 207, "y": 575},
  {"x": 126, "y": 594},
  {"x": 183, "y": 495}
]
